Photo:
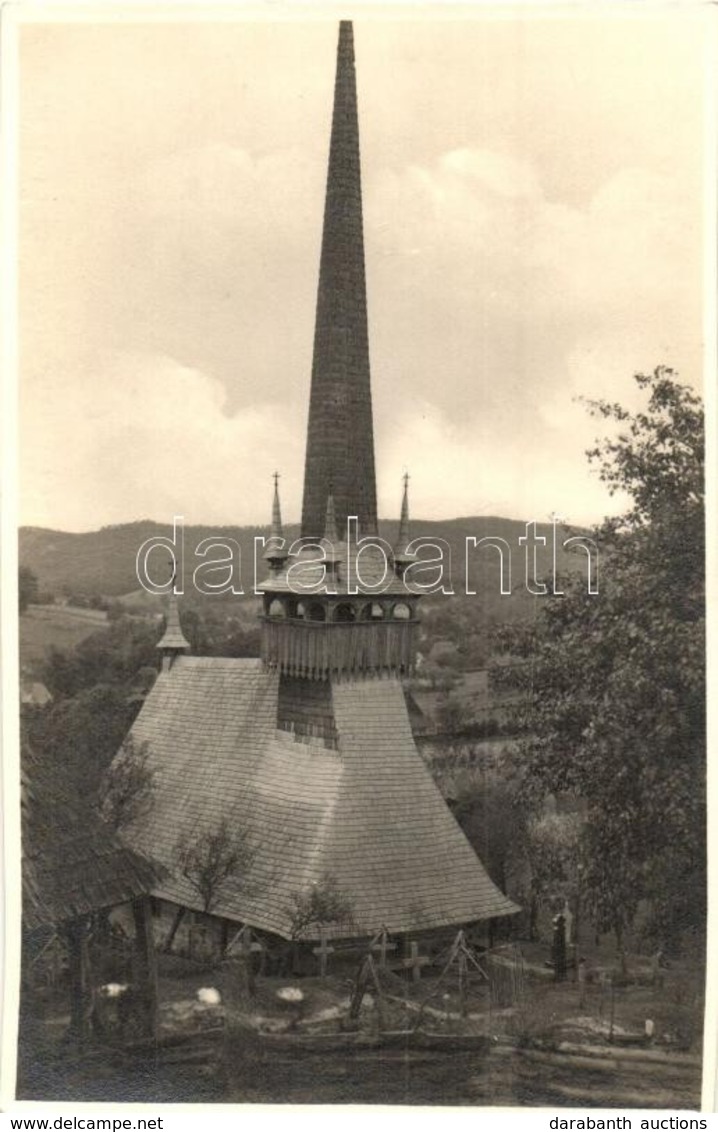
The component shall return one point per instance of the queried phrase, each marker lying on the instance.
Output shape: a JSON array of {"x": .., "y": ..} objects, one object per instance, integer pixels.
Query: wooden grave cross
[
  {"x": 382, "y": 945},
  {"x": 415, "y": 961},
  {"x": 324, "y": 950}
]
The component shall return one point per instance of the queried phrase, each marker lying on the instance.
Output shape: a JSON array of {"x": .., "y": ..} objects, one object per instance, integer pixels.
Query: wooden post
[
  {"x": 462, "y": 983},
  {"x": 577, "y": 914},
  {"x": 602, "y": 994},
  {"x": 81, "y": 1001},
  {"x": 581, "y": 977},
  {"x": 145, "y": 964},
  {"x": 367, "y": 973},
  {"x": 558, "y": 948},
  {"x": 379, "y": 998},
  {"x": 360, "y": 987},
  {"x": 173, "y": 930},
  {"x": 382, "y": 946},
  {"x": 250, "y": 947}
]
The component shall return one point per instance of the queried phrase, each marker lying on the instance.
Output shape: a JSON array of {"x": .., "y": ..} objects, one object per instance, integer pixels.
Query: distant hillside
[
  {"x": 103, "y": 562},
  {"x": 43, "y": 627}
]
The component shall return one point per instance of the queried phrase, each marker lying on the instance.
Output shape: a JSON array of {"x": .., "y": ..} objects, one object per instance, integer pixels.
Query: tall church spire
[{"x": 340, "y": 442}]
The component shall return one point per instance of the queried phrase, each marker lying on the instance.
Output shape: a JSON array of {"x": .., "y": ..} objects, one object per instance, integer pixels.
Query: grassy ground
[
  {"x": 596, "y": 1026},
  {"x": 607, "y": 1006}
]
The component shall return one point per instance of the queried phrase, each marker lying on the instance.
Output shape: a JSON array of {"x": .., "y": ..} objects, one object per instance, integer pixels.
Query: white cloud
[
  {"x": 490, "y": 309},
  {"x": 171, "y": 247},
  {"x": 156, "y": 441},
  {"x": 482, "y": 474},
  {"x": 233, "y": 187},
  {"x": 502, "y": 173}
]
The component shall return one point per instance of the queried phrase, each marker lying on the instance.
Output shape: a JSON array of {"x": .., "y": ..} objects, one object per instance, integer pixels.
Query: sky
[{"x": 533, "y": 203}]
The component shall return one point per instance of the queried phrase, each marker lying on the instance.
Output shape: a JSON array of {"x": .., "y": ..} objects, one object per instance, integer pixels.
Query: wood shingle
[
  {"x": 367, "y": 813},
  {"x": 72, "y": 864}
]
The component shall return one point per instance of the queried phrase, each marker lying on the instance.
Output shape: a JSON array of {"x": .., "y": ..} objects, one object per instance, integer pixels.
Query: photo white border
[{"x": 14, "y": 15}]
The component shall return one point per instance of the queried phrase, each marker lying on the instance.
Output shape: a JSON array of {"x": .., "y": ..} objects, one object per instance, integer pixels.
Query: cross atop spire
[
  {"x": 277, "y": 530},
  {"x": 340, "y": 441},
  {"x": 402, "y": 557},
  {"x": 276, "y": 552},
  {"x": 404, "y": 522}
]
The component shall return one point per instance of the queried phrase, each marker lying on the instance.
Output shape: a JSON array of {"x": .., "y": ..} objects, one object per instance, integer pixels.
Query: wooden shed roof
[
  {"x": 365, "y": 812},
  {"x": 72, "y": 864}
]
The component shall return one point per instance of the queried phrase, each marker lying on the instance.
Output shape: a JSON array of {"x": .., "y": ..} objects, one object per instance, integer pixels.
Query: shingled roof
[
  {"x": 362, "y": 809},
  {"x": 173, "y": 637},
  {"x": 72, "y": 864},
  {"x": 303, "y": 573}
]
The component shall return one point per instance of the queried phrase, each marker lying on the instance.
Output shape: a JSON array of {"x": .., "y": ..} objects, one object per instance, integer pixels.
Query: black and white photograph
[{"x": 354, "y": 636}]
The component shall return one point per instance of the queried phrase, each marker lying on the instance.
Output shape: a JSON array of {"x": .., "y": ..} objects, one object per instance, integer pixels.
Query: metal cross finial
[
  {"x": 406, "y": 478},
  {"x": 275, "y": 477}
]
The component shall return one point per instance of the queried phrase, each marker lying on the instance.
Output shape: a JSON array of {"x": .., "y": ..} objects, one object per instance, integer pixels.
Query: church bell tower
[
  {"x": 341, "y": 606},
  {"x": 308, "y": 750}
]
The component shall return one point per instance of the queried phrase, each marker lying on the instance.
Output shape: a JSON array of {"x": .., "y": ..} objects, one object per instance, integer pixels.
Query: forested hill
[{"x": 103, "y": 562}]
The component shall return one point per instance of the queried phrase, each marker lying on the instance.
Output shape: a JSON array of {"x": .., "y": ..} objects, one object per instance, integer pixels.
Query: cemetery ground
[{"x": 546, "y": 1043}]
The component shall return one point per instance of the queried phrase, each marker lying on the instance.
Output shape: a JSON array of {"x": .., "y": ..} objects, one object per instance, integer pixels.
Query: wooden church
[{"x": 308, "y": 752}]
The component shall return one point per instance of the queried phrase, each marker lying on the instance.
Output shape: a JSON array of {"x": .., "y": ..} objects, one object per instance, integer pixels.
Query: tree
[
  {"x": 553, "y": 851},
  {"x": 213, "y": 858},
  {"x": 614, "y": 684},
  {"x": 320, "y": 904},
  {"x": 453, "y": 716},
  {"x": 126, "y": 788},
  {"x": 109, "y": 656},
  {"x": 27, "y": 587},
  {"x": 83, "y": 734}
]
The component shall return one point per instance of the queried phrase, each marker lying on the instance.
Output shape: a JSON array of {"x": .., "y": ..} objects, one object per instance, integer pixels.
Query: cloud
[
  {"x": 489, "y": 301},
  {"x": 491, "y": 309},
  {"x": 171, "y": 230},
  {"x": 225, "y": 185},
  {"x": 155, "y": 441},
  {"x": 501, "y": 173},
  {"x": 484, "y": 475}
]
